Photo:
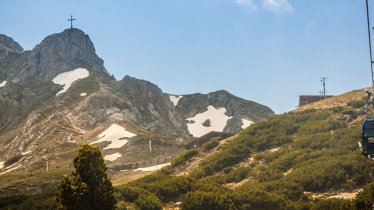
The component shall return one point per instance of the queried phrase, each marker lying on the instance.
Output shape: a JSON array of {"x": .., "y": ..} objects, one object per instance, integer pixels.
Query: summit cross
[{"x": 71, "y": 21}]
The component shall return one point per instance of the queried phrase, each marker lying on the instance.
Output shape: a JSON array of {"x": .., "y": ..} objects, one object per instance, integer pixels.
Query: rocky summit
[{"x": 59, "y": 95}]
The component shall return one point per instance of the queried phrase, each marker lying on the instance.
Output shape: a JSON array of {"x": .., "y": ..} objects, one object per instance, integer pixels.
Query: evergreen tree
[{"x": 88, "y": 187}]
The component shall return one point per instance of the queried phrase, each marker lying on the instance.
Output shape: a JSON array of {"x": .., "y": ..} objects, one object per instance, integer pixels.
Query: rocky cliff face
[
  {"x": 62, "y": 76},
  {"x": 151, "y": 107}
]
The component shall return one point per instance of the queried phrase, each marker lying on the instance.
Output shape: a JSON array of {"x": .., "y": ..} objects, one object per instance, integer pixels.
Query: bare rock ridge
[{"x": 8, "y": 44}]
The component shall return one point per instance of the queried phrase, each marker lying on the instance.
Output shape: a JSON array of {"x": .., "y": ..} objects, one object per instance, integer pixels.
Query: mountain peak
[
  {"x": 64, "y": 51},
  {"x": 8, "y": 44},
  {"x": 73, "y": 42}
]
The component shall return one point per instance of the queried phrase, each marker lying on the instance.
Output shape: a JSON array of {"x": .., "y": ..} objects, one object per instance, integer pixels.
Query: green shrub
[
  {"x": 171, "y": 188},
  {"x": 365, "y": 199},
  {"x": 121, "y": 205},
  {"x": 148, "y": 202},
  {"x": 130, "y": 194},
  {"x": 182, "y": 158},
  {"x": 237, "y": 174},
  {"x": 154, "y": 177},
  {"x": 139, "y": 196},
  {"x": 11, "y": 200},
  {"x": 208, "y": 201},
  {"x": 29, "y": 202},
  {"x": 259, "y": 200},
  {"x": 333, "y": 204},
  {"x": 336, "y": 109},
  {"x": 350, "y": 112},
  {"x": 357, "y": 103},
  {"x": 210, "y": 145},
  {"x": 290, "y": 190}
]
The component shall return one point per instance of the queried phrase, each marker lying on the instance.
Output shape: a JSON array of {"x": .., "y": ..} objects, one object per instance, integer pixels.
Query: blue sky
[{"x": 268, "y": 51}]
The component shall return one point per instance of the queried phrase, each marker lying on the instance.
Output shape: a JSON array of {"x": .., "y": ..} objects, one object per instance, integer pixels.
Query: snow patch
[
  {"x": 9, "y": 170},
  {"x": 274, "y": 150},
  {"x": 69, "y": 139},
  {"x": 112, "y": 157},
  {"x": 83, "y": 94},
  {"x": 2, "y": 164},
  {"x": 25, "y": 153},
  {"x": 288, "y": 172},
  {"x": 3, "y": 83},
  {"x": 217, "y": 117},
  {"x": 67, "y": 78},
  {"x": 246, "y": 123},
  {"x": 153, "y": 168},
  {"x": 175, "y": 99},
  {"x": 115, "y": 134}
]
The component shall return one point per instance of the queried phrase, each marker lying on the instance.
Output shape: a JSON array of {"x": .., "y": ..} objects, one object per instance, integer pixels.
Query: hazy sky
[{"x": 268, "y": 51}]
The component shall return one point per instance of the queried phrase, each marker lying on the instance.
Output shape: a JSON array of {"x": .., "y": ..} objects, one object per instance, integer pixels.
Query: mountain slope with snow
[{"x": 120, "y": 116}]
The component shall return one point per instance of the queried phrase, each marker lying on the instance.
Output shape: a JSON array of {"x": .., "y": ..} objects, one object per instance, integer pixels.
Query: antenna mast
[
  {"x": 323, "y": 92},
  {"x": 370, "y": 49}
]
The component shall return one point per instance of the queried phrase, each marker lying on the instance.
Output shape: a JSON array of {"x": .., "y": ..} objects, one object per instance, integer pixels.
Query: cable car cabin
[{"x": 367, "y": 141}]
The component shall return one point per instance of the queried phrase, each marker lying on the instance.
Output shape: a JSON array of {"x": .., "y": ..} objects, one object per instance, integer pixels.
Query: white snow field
[
  {"x": 274, "y": 149},
  {"x": 112, "y": 157},
  {"x": 67, "y": 78},
  {"x": 153, "y": 168},
  {"x": 217, "y": 117},
  {"x": 2, "y": 164},
  {"x": 83, "y": 94},
  {"x": 26, "y": 153},
  {"x": 115, "y": 134},
  {"x": 3, "y": 83},
  {"x": 10, "y": 169},
  {"x": 175, "y": 99},
  {"x": 246, "y": 123}
]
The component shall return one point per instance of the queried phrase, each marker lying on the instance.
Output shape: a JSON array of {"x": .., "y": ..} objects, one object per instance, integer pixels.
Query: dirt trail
[
  {"x": 73, "y": 123},
  {"x": 234, "y": 185},
  {"x": 327, "y": 195}
]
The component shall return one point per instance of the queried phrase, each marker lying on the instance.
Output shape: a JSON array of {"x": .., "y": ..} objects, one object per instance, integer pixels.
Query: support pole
[{"x": 370, "y": 49}]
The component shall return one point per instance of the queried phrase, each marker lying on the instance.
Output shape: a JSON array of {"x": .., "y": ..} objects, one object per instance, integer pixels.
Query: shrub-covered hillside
[{"x": 284, "y": 162}]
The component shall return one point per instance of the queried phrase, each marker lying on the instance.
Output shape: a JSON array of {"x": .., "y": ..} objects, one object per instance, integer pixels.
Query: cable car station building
[{"x": 307, "y": 99}]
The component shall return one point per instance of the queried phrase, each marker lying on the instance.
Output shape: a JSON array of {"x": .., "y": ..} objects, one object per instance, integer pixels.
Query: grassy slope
[{"x": 316, "y": 151}]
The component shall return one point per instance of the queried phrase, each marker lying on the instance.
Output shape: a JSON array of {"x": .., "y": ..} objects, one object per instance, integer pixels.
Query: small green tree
[{"x": 88, "y": 187}]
